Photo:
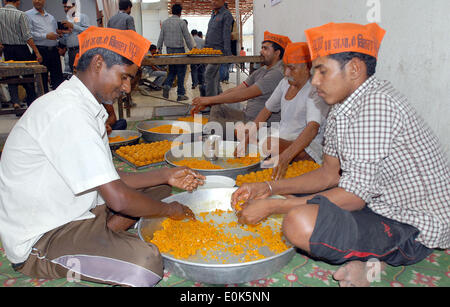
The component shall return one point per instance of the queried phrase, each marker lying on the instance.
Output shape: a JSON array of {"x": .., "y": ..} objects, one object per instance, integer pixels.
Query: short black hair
[
  {"x": 200, "y": 33},
  {"x": 276, "y": 47},
  {"x": 152, "y": 47},
  {"x": 176, "y": 9},
  {"x": 344, "y": 57},
  {"x": 125, "y": 4},
  {"x": 194, "y": 32},
  {"x": 110, "y": 57},
  {"x": 13, "y": 1}
]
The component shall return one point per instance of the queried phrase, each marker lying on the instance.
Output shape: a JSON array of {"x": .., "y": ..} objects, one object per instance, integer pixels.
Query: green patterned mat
[{"x": 302, "y": 271}]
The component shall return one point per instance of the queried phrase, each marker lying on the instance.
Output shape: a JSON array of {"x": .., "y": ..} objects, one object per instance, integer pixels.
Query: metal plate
[
  {"x": 150, "y": 137},
  {"x": 124, "y": 134},
  {"x": 226, "y": 150},
  {"x": 138, "y": 167},
  {"x": 209, "y": 271}
]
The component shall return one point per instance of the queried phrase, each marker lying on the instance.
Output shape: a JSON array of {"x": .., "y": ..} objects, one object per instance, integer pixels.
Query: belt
[{"x": 46, "y": 47}]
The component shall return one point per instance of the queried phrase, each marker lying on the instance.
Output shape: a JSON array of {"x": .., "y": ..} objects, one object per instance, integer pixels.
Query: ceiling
[{"x": 203, "y": 7}]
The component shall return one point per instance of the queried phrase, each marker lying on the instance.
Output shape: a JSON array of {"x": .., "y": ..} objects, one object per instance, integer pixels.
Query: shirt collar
[
  {"x": 348, "y": 105},
  {"x": 37, "y": 12},
  {"x": 90, "y": 102},
  {"x": 10, "y": 6},
  {"x": 220, "y": 11}
]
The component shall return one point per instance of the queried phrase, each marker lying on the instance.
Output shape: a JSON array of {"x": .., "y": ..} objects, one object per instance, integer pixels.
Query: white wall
[{"x": 414, "y": 55}]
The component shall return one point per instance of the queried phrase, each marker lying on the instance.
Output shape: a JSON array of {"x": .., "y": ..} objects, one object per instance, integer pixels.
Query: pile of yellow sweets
[
  {"x": 191, "y": 119},
  {"x": 294, "y": 170},
  {"x": 245, "y": 161},
  {"x": 146, "y": 153},
  {"x": 168, "y": 129},
  {"x": 214, "y": 241},
  {"x": 197, "y": 164},
  {"x": 204, "y": 51}
]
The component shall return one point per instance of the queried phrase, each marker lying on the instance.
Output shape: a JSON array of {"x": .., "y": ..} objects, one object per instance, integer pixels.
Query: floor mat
[{"x": 302, "y": 271}]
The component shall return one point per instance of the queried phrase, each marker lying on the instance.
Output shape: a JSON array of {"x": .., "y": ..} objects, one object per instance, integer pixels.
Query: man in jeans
[{"x": 174, "y": 33}]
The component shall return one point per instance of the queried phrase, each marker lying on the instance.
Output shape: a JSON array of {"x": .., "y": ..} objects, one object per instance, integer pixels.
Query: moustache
[{"x": 291, "y": 79}]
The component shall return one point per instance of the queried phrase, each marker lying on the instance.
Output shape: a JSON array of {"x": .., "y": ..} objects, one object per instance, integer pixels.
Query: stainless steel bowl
[
  {"x": 125, "y": 134},
  {"x": 150, "y": 137},
  {"x": 226, "y": 150},
  {"x": 209, "y": 271}
]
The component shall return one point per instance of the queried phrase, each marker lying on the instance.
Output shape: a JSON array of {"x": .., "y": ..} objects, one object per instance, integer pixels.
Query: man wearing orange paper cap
[
  {"x": 303, "y": 114},
  {"x": 255, "y": 90},
  {"x": 71, "y": 219},
  {"x": 381, "y": 195}
]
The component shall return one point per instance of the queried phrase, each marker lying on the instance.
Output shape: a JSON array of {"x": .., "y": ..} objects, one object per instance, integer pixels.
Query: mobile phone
[{"x": 61, "y": 26}]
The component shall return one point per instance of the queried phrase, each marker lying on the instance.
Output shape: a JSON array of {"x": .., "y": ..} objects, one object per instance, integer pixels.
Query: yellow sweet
[
  {"x": 168, "y": 129},
  {"x": 191, "y": 119},
  {"x": 245, "y": 161},
  {"x": 146, "y": 153},
  {"x": 197, "y": 164},
  {"x": 294, "y": 170},
  {"x": 210, "y": 239},
  {"x": 119, "y": 138}
]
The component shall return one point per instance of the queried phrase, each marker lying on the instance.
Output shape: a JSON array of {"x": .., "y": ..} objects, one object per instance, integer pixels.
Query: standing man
[
  {"x": 45, "y": 34},
  {"x": 81, "y": 211},
  {"x": 218, "y": 37},
  {"x": 74, "y": 26},
  {"x": 174, "y": 33},
  {"x": 383, "y": 190},
  {"x": 14, "y": 36},
  {"x": 197, "y": 70},
  {"x": 256, "y": 89},
  {"x": 122, "y": 20}
]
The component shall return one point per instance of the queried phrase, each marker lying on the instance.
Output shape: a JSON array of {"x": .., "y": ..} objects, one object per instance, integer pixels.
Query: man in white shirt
[
  {"x": 63, "y": 206},
  {"x": 303, "y": 114}
]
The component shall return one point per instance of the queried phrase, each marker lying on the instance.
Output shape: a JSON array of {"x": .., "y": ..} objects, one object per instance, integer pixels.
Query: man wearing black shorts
[{"x": 382, "y": 191}]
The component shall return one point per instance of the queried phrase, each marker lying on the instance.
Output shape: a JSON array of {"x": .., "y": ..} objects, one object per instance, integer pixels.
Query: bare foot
[{"x": 353, "y": 274}]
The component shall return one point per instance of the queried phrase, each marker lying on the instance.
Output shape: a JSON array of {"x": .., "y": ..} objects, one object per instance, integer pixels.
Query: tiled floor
[{"x": 145, "y": 104}]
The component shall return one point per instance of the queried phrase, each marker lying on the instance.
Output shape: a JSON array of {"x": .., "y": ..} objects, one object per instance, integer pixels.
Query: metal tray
[
  {"x": 124, "y": 134},
  {"x": 138, "y": 167},
  {"x": 226, "y": 149},
  {"x": 151, "y": 137},
  {"x": 209, "y": 271}
]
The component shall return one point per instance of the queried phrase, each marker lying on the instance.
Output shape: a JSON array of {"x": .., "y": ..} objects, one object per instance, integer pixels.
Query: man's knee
[{"x": 298, "y": 225}]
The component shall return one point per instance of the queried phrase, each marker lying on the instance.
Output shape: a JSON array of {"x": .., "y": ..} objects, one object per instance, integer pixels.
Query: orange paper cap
[
  {"x": 127, "y": 43},
  {"x": 335, "y": 38},
  {"x": 281, "y": 40},
  {"x": 296, "y": 53},
  {"x": 75, "y": 61}
]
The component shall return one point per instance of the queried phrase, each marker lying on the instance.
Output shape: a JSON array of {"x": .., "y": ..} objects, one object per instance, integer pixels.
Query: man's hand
[
  {"x": 185, "y": 178},
  {"x": 108, "y": 129},
  {"x": 199, "y": 104},
  {"x": 180, "y": 212},
  {"x": 52, "y": 36},
  {"x": 250, "y": 191},
  {"x": 39, "y": 58},
  {"x": 68, "y": 25},
  {"x": 281, "y": 165},
  {"x": 255, "y": 211}
]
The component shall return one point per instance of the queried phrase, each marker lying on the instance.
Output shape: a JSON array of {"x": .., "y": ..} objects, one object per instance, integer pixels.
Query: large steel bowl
[
  {"x": 209, "y": 271},
  {"x": 125, "y": 134},
  {"x": 196, "y": 132},
  {"x": 226, "y": 150}
]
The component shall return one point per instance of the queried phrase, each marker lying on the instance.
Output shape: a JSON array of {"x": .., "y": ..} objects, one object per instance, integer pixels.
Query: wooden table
[
  {"x": 187, "y": 60},
  {"x": 11, "y": 74}
]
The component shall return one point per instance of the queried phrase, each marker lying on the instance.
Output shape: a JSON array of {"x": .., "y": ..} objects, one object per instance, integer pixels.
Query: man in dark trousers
[
  {"x": 44, "y": 30},
  {"x": 15, "y": 36}
]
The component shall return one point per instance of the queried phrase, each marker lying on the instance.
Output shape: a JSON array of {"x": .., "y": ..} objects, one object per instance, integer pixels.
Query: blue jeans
[{"x": 176, "y": 70}]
